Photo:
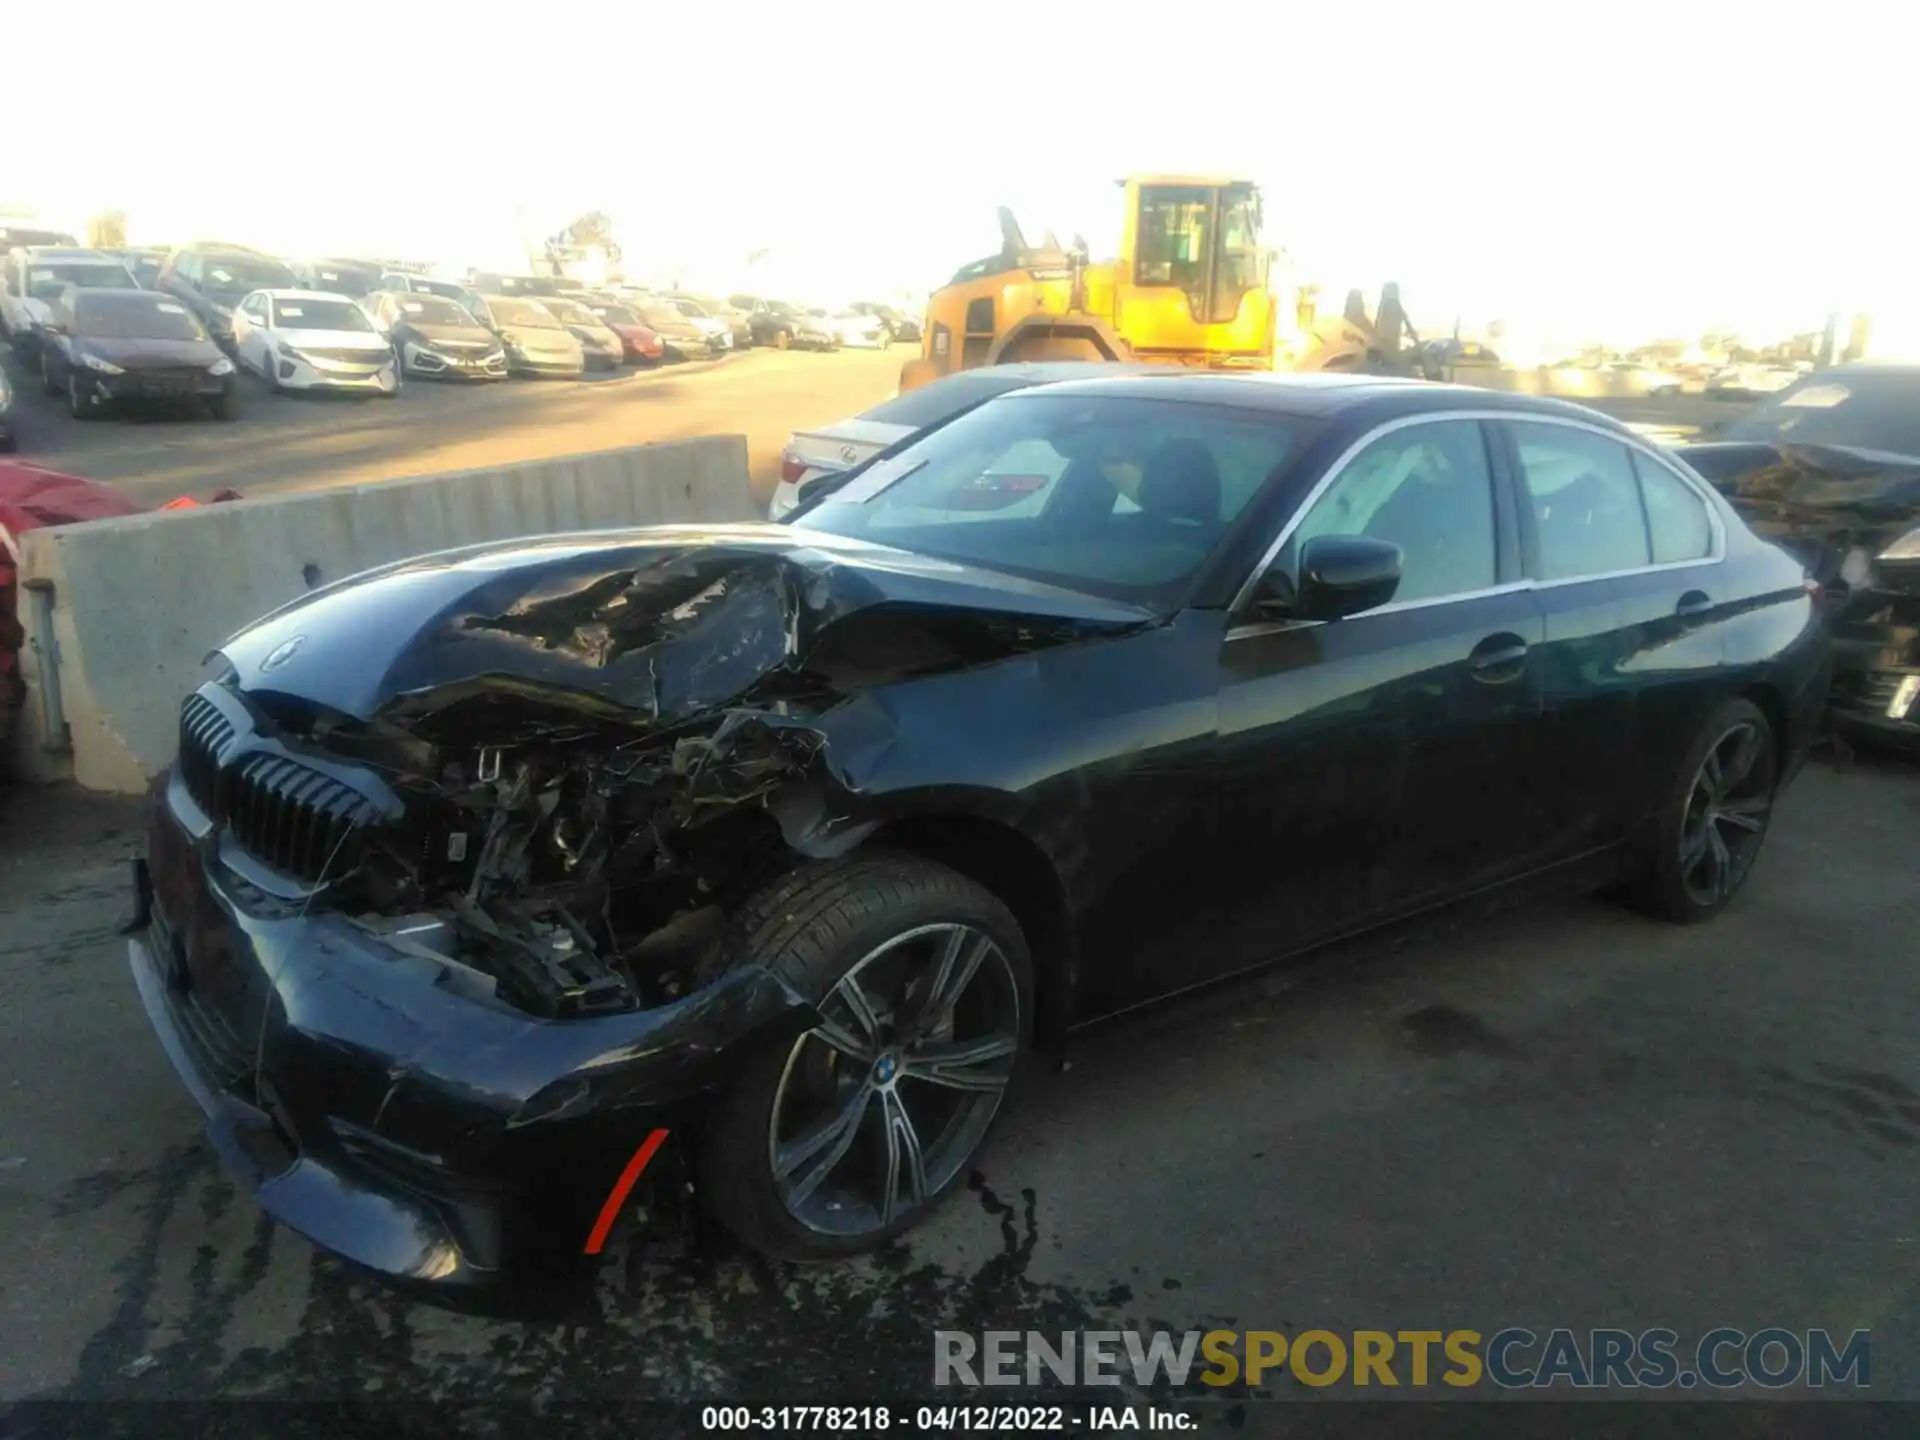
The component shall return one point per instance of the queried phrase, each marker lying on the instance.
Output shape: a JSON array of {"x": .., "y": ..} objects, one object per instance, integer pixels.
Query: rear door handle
[
  {"x": 1498, "y": 659},
  {"x": 1694, "y": 605}
]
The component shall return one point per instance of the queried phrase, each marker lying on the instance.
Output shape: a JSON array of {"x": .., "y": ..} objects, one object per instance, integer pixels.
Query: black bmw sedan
[{"x": 491, "y": 886}]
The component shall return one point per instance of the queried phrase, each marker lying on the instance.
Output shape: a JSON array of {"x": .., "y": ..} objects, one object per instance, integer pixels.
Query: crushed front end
[{"x": 439, "y": 896}]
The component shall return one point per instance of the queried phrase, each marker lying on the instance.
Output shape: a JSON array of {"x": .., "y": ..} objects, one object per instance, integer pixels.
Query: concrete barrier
[{"x": 137, "y": 603}]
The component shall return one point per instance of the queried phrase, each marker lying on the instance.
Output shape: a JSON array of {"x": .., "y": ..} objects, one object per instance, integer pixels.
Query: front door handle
[
  {"x": 1498, "y": 659},
  {"x": 1694, "y": 605}
]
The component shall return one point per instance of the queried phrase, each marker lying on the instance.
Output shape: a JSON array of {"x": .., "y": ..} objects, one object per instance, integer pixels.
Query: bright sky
[{"x": 1618, "y": 170}]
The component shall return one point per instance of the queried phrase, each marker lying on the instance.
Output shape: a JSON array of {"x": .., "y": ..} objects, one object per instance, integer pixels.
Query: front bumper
[
  {"x": 298, "y": 374},
  {"x": 135, "y": 387},
  {"x": 560, "y": 366},
  {"x": 434, "y": 365},
  {"x": 372, "y": 1097},
  {"x": 689, "y": 349}
]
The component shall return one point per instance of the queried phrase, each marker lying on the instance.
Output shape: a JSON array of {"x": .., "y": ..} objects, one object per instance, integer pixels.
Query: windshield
[
  {"x": 1123, "y": 498},
  {"x": 232, "y": 277},
  {"x": 658, "y": 315},
  {"x": 1178, "y": 236},
  {"x": 1862, "y": 408},
  {"x": 134, "y": 317},
  {"x": 690, "y": 309},
  {"x": 524, "y": 313},
  {"x": 45, "y": 282},
  {"x": 433, "y": 310},
  {"x": 616, "y": 314},
  {"x": 930, "y": 404},
  {"x": 315, "y": 313},
  {"x": 568, "y": 313},
  {"x": 344, "y": 282}
]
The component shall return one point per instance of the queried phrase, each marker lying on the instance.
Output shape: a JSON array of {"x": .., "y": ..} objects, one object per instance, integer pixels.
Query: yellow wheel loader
[{"x": 1189, "y": 287}]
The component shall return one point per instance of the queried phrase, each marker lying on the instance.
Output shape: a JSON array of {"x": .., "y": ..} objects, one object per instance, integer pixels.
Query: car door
[
  {"x": 1630, "y": 593},
  {"x": 1372, "y": 764}
]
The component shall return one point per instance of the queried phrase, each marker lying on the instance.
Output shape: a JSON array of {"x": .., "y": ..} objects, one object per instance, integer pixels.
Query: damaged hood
[
  {"x": 654, "y": 625},
  {"x": 1814, "y": 498}
]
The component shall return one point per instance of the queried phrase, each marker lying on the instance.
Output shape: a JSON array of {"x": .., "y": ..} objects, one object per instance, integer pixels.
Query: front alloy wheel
[
  {"x": 881, "y": 1105},
  {"x": 857, "y": 1129}
]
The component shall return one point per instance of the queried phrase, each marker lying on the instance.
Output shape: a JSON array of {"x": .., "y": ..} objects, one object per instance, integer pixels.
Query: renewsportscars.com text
[{"x": 1512, "y": 1358}]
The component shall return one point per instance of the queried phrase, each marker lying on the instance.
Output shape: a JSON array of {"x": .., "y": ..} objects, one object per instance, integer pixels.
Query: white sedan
[
  {"x": 309, "y": 340},
  {"x": 864, "y": 331}
]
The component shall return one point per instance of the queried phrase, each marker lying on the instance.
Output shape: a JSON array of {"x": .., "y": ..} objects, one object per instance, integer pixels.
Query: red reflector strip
[{"x": 621, "y": 1189}]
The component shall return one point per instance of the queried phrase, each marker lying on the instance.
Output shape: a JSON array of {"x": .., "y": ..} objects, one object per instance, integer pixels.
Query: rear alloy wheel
[
  {"x": 859, "y": 1128},
  {"x": 1715, "y": 820}
]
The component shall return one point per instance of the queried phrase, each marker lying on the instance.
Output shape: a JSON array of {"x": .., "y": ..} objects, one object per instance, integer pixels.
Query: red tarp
[{"x": 32, "y": 496}]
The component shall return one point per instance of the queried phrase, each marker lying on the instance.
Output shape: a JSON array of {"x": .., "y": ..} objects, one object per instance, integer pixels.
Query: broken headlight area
[{"x": 569, "y": 869}]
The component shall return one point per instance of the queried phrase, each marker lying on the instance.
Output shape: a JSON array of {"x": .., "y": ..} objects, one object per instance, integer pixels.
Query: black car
[
  {"x": 9, "y": 437},
  {"x": 436, "y": 337},
  {"x": 489, "y": 884},
  {"x": 114, "y": 347},
  {"x": 211, "y": 279},
  {"x": 1830, "y": 468},
  {"x": 900, "y": 327},
  {"x": 771, "y": 322}
]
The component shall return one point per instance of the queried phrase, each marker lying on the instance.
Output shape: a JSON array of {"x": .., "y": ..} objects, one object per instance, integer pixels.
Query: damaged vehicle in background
[
  {"x": 1830, "y": 469},
  {"x": 491, "y": 884},
  {"x": 436, "y": 338},
  {"x": 115, "y": 348}
]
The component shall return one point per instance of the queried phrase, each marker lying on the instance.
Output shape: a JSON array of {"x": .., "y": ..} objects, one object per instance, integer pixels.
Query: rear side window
[
  {"x": 1585, "y": 499},
  {"x": 1677, "y": 522}
]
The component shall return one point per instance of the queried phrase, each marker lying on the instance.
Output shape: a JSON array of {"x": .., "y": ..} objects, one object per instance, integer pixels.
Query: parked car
[
  {"x": 682, "y": 339},
  {"x": 772, "y": 322},
  {"x": 144, "y": 264},
  {"x": 536, "y": 342},
  {"x": 9, "y": 436},
  {"x": 1830, "y": 469},
  {"x": 434, "y": 337},
  {"x": 764, "y": 854},
  {"x": 425, "y": 285},
  {"x": 1745, "y": 381},
  {"x": 211, "y": 279},
  {"x": 521, "y": 286},
  {"x": 899, "y": 326},
  {"x": 36, "y": 276},
  {"x": 312, "y": 340},
  {"x": 600, "y": 344},
  {"x": 28, "y": 236},
  {"x": 108, "y": 348},
  {"x": 726, "y": 327},
  {"x": 815, "y": 329},
  {"x": 811, "y": 456},
  {"x": 1637, "y": 378},
  {"x": 718, "y": 333},
  {"x": 861, "y": 330},
  {"x": 352, "y": 278},
  {"x": 641, "y": 342}
]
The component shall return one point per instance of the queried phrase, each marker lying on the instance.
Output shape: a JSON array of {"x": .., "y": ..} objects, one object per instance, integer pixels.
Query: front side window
[
  {"x": 1125, "y": 498},
  {"x": 1426, "y": 488},
  {"x": 1677, "y": 523},
  {"x": 1585, "y": 498}
]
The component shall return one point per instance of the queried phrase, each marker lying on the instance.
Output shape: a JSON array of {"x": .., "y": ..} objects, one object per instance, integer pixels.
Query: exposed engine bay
[{"x": 590, "y": 765}]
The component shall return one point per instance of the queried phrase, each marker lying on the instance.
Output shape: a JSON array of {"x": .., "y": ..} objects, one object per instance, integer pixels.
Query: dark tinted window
[
  {"x": 424, "y": 309},
  {"x": 1874, "y": 410},
  {"x": 45, "y": 282},
  {"x": 1586, "y": 501},
  {"x": 229, "y": 277},
  {"x": 1677, "y": 522},
  {"x": 142, "y": 316},
  {"x": 342, "y": 281},
  {"x": 1116, "y": 497},
  {"x": 1429, "y": 490}
]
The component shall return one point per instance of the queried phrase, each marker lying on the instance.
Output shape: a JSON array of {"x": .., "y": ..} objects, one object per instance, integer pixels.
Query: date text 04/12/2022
[{"x": 942, "y": 1419}]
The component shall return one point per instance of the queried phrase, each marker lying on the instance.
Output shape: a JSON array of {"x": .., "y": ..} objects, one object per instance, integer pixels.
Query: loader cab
[{"x": 1196, "y": 238}]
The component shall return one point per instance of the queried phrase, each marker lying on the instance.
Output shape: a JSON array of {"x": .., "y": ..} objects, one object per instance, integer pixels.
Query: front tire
[
  {"x": 1714, "y": 820},
  {"x": 77, "y": 405},
  {"x": 857, "y": 1130},
  {"x": 224, "y": 407}
]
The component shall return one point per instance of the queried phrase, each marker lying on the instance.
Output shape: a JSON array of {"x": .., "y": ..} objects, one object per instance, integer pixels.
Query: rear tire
[
  {"x": 1714, "y": 820},
  {"x": 904, "y": 1093}
]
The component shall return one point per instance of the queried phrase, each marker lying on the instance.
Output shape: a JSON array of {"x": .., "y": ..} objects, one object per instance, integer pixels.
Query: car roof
[
  {"x": 1318, "y": 393},
  {"x": 308, "y": 295},
  {"x": 68, "y": 254}
]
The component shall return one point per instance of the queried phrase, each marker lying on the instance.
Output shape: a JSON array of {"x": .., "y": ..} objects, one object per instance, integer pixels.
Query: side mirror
[{"x": 1340, "y": 575}]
